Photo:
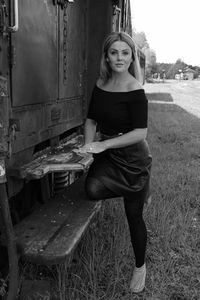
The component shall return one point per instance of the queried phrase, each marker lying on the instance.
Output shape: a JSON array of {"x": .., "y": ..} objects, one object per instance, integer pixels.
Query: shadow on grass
[{"x": 165, "y": 97}]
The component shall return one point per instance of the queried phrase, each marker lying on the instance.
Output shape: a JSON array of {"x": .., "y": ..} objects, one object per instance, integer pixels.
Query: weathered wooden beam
[
  {"x": 50, "y": 234},
  {"x": 63, "y": 159}
]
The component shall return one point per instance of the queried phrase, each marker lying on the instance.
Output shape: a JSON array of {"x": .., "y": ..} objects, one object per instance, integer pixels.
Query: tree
[
  {"x": 151, "y": 66},
  {"x": 141, "y": 40},
  {"x": 175, "y": 68}
]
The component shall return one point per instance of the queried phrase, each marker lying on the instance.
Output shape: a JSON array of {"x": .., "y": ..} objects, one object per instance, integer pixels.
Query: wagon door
[
  {"x": 48, "y": 69},
  {"x": 34, "y": 74},
  {"x": 72, "y": 60}
]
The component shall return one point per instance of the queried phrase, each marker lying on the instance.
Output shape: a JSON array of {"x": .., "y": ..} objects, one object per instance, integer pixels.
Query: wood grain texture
[
  {"x": 63, "y": 158},
  {"x": 51, "y": 233}
]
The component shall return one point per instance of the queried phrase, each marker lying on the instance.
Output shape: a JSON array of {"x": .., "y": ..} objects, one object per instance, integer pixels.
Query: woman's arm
[
  {"x": 89, "y": 130},
  {"x": 126, "y": 139},
  {"x": 129, "y": 138}
]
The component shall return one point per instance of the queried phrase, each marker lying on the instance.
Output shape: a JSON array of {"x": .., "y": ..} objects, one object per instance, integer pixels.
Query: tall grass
[{"x": 102, "y": 265}]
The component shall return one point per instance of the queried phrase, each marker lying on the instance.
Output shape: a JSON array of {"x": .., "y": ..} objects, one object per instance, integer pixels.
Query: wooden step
[{"x": 50, "y": 234}]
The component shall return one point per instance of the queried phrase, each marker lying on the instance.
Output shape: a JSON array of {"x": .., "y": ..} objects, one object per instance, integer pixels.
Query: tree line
[{"x": 164, "y": 69}]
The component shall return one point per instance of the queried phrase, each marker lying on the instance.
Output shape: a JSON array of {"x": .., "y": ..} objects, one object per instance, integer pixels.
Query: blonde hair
[{"x": 134, "y": 69}]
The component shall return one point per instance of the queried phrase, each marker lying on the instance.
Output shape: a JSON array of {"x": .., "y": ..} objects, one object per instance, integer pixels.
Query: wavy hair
[{"x": 134, "y": 69}]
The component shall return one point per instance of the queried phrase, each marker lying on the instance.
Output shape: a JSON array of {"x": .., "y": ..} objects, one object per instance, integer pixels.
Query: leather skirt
[{"x": 125, "y": 170}]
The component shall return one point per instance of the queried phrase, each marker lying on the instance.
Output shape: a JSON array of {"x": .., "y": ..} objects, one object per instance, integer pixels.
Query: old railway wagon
[{"x": 49, "y": 62}]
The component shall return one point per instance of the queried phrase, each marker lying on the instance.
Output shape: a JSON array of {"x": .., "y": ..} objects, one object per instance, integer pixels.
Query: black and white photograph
[{"x": 99, "y": 150}]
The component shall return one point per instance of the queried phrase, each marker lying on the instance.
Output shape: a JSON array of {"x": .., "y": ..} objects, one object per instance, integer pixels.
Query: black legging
[{"x": 133, "y": 209}]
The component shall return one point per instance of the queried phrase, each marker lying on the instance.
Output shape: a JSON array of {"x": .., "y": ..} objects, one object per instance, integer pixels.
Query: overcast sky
[{"x": 172, "y": 28}]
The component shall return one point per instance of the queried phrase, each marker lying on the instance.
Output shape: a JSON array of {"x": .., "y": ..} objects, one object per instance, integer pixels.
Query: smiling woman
[
  {"x": 120, "y": 51},
  {"x": 122, "y": 159},
  {"x": 119, "y": 56}
]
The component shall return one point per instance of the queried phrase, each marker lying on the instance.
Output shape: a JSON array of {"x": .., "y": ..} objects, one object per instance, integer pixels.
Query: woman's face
[{"x": 119, "y": 56}]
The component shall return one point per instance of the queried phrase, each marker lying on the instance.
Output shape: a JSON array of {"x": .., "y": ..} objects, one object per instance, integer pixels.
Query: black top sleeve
[{"x": 138, "y": 110}]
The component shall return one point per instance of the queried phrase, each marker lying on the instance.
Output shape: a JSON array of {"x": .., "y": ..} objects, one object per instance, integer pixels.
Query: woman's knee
[{"x": 92, "y": 187}]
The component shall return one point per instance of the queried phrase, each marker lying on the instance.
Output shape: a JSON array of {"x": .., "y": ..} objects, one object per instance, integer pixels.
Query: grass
[
  {"x": 102, "y": 265},
  {"x": 165, "y": 97}
]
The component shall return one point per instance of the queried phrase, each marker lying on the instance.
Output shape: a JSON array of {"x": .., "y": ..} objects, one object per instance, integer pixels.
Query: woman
[{"x": 122, "y": 160}]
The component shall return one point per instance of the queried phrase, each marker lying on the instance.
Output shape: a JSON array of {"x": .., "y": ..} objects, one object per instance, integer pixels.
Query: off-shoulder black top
[{"x": 118, "y": 112}]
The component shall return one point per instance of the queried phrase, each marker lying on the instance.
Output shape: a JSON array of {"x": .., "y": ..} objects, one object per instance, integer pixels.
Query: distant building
[
  {"x": 188, "y": 74},
  {"x": 179, "y": 76}
]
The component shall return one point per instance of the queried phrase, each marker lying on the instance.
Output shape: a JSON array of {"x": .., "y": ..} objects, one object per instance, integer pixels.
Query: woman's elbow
[{"x": 142, "y": 133}]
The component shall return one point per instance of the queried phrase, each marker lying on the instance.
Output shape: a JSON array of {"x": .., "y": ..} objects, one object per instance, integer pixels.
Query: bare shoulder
[{"x": 134, "y": 85}]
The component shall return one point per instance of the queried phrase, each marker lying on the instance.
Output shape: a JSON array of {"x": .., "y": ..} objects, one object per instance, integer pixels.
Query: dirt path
[{"x": 184, "y": 93}]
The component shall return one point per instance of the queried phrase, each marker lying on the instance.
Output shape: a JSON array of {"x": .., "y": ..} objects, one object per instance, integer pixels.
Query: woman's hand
[{"x": 95, "y": 147}]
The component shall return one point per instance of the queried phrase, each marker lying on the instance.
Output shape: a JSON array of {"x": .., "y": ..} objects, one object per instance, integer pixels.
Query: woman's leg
[
  {"x": 96, "y": 190},
  {"x": 138, "y": 231}
]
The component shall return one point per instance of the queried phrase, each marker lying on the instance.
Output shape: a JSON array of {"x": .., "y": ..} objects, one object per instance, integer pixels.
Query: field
[
  {"x": 102, "y": 265},
  {"x": 183, "y": 93}
]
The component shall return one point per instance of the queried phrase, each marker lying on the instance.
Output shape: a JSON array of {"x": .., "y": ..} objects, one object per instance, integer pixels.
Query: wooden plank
[
  {"x": 63, "y": 158},
  {"x": 51, "y": 233}
]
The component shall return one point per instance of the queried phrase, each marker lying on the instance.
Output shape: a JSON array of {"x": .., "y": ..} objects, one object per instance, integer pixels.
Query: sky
[{"x": 172, "y": 28}]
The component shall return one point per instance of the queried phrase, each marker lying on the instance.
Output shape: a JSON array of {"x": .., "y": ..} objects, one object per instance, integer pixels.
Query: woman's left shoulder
[{"x": 134, "y": 85}]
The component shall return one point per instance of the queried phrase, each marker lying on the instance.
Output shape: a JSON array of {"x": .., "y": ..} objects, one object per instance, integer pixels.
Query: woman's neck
[{"x": 119, "y": 78}]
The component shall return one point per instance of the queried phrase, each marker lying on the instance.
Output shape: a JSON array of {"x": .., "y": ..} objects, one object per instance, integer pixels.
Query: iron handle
[{"x": 15, "y": 27}]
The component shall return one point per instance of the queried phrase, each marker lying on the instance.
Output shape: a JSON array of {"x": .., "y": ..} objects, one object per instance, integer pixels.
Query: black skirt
[{"x": 125, "y": 171}]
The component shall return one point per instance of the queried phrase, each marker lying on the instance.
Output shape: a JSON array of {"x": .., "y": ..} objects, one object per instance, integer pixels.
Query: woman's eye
[
  {"x": 126, "y": 53},
  {"x": 113, "y": 52}
]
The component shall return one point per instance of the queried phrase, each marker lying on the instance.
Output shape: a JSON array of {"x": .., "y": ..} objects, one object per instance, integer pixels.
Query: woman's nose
[{"x": 119, "y": 56}]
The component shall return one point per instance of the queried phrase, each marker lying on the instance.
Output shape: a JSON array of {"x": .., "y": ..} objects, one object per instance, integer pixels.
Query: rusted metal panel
[
  {"x": 35, "y": 72},
  {"x": 42, "y": 122},
  {"x": 47, "y": 97},
  {"x": 4, "y": 113},
  {"x": 100, "y": 24},
  {"x": 72, "y": 60}
]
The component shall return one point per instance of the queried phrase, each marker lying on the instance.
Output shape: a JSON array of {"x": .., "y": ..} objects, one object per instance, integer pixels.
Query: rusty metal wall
[
  {"x": 100, "y": 24},
  {"x": 48, "y": 76},
  {"x": 35, "y": 70},
  {"x": 72, "y": 49}
]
